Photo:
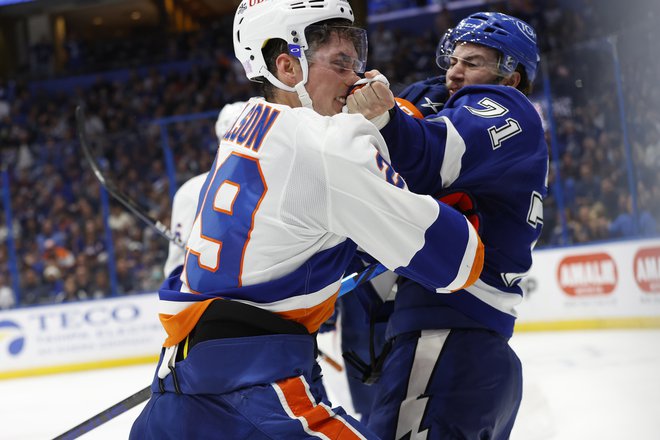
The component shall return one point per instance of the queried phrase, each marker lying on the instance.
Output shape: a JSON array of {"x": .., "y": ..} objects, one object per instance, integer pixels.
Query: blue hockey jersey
[{"x": 486, "y": 148}]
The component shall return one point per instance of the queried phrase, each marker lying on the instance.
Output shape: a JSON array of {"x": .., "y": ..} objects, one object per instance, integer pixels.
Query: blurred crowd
[{"x": 68, "y": 248}]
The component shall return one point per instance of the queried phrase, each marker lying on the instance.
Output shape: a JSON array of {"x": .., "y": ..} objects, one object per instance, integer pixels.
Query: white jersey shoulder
[{"x": 184, "y": 207}]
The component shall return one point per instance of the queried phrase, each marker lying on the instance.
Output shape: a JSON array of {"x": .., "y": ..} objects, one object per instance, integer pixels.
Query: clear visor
[
  {"x": 445, "y": 58},
  {"x": 343, "y": 60},
  {"x": 471, "y": 63},
  {"x": 445, "y": 49}
]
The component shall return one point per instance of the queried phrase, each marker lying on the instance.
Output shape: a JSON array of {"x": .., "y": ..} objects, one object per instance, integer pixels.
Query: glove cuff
[{"x": 381, "y": 120}]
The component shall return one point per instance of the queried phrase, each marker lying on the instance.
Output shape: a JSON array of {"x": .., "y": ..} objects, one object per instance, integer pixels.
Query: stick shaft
[
  {"x": 113, "y": 189},
  {"x": 106, "y": 415}
]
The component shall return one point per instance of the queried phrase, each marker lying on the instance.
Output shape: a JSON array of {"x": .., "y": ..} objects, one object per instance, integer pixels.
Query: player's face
[
  {"x": 472, "y": 64},
  {"x": 331, "y": 75}
]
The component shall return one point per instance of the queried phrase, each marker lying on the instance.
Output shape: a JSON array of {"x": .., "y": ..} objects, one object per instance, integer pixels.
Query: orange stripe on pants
[{"x": 320, "y": 421}]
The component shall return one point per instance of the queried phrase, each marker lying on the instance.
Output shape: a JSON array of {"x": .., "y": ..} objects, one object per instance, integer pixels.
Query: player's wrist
[{"x": 381, "y": 120}]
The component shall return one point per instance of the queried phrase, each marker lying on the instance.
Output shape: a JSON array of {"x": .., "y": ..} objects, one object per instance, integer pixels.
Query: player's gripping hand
[{"x": 372, "y": 99}]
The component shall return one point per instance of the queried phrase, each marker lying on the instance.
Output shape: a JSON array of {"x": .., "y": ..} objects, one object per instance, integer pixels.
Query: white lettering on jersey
[
  {"x": 535, "y": 212},
  {"x": 493, "y": 109},
  {"x": 499, "y": 135}
]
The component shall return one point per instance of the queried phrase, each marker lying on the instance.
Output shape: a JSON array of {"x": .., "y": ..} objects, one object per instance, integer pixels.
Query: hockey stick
[
  {"x": 353, "y": 280},
  {"x": 106, "y": 415},
  {"x": 120, "y": 196}
]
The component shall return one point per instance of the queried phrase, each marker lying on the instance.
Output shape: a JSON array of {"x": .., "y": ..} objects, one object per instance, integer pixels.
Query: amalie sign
[
  {"x": 587, "y": 275},
  {"x": 646, "y": 267}
]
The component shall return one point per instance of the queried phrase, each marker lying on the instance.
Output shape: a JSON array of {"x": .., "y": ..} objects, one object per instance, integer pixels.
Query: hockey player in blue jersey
[
  {"x": 450, "y": 373},
  {"x": 295, "y": 188}
]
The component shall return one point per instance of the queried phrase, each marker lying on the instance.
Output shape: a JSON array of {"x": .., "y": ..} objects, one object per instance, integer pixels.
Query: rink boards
[{"x": 611, "y": 285}]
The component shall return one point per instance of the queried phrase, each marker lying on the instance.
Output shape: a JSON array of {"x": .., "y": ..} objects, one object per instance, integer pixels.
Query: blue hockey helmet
[{"x": 512, "y": 37}]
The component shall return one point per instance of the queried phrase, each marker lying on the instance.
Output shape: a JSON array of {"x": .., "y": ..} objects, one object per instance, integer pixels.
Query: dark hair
[
  {"x": 273, "y": 48},
  {"x": 525, "y": 85},
  {"x": 316, "y": 35}
]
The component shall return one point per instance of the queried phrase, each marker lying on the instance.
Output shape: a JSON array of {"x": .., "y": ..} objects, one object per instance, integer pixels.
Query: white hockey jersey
[
  {"x": 290, "y": 195},
  {"x": 186, "y": 198},
  {"x": 184, "y": 206}
]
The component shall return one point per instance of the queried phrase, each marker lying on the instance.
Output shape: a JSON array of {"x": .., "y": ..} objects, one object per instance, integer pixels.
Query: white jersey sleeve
[
  {"x": 370, "y": 201},
  {"x": 358, "y": 195}
]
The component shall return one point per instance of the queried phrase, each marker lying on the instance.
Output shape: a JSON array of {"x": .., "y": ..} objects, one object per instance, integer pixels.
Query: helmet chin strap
[
  {"x": 299, "y": 88},
  {"x": 305, "y": 100},
  {"x": 303, "y": 95}
]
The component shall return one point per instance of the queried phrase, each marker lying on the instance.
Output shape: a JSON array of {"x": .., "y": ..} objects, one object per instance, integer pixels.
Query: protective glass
[
  {"x": 472, "y": 63},
  {"x": 445, "y": 59},
  {"x": 340, "y": 62}
]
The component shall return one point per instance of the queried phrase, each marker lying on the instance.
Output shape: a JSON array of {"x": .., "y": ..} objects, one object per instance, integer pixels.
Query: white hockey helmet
[
  {"x": 227, "y": 117},
  {"x": 257, "y": 21}
]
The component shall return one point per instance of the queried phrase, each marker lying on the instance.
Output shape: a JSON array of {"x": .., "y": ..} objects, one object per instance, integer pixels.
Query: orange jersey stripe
[
  {"x": 409, "y": 108},
  {"x": 312, "y": 317},
  {"x": 477, "y": 266},
  {"x": 178, "y": 326},
  {"x": 318, "y": 420}
]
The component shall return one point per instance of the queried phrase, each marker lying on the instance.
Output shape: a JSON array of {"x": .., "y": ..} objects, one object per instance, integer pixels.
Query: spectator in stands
[
  {"x": 125, "y": 279},
  {"x": 93, "y": 238},
  {"x": 7, "y": 298},
  {"x": 120, "y": 219},
  {"x": 587, "y": 185},
  {"x": 608, "y": 198},
  {"x": 34, "y": 290},
  {"x": 48, "y": 233},
  {"x": 624, "y": 224},
  {"x": 4, "y": 99},
  {"x": 627, "y": 225},
  {"x": 42, "y": 57},
  {"x": 70, "y": 291},
  {"x": 83, "y": 280},
  {"x": 101, "y": 286},
  {"x": 57, "y": 255},
  {"x": 74, "y": 53},
  {"x": 598, "y": 222}
]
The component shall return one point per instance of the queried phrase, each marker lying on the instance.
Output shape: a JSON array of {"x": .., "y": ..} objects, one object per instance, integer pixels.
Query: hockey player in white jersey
[
  {"x": 295, "y": 187},
  {"x": 184, "y": 204}
]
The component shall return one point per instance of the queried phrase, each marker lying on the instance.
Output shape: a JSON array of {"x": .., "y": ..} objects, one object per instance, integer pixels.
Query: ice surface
[{"x": 579, "y": 385}]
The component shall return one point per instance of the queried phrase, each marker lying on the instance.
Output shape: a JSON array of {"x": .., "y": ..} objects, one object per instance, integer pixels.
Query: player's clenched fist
[{"x": 372, "y": 96}]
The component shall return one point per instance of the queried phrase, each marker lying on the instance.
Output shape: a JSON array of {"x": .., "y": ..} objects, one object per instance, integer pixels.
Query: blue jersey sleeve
[
  {"x": 416, "y": 150},
  {"x": 487, "y": 142},
  {"x": 428, "y": 96}
]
